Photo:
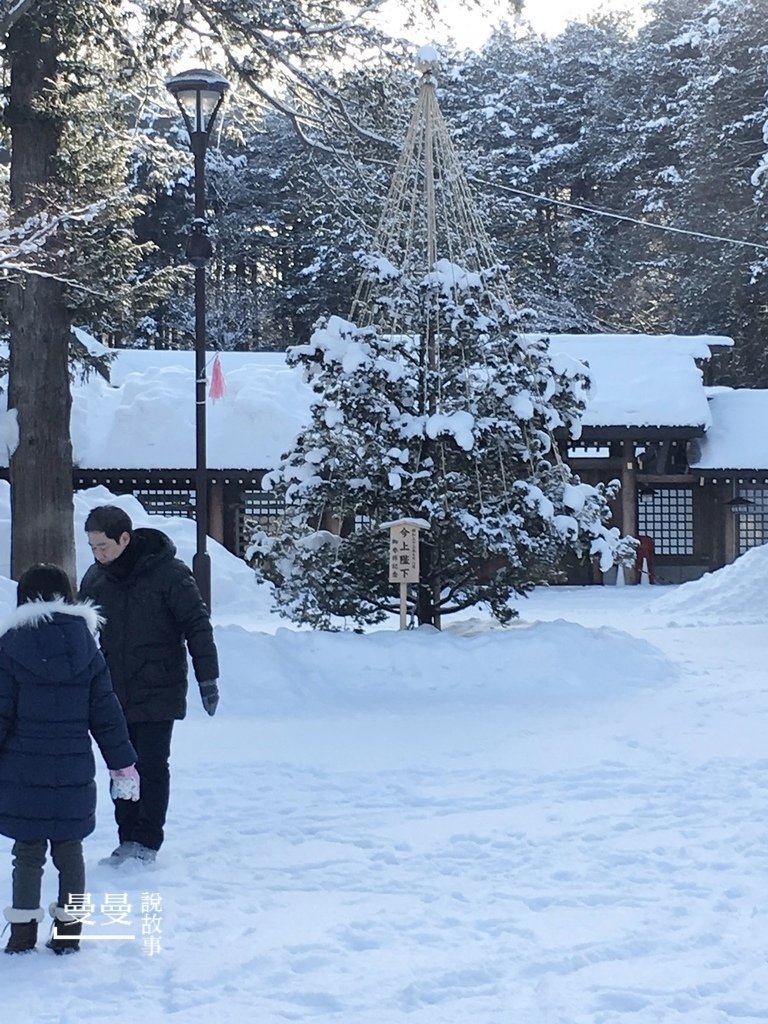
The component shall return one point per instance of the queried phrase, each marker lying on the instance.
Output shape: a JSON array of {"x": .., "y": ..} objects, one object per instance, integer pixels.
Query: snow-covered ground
[{"x": 562, "y": 822}]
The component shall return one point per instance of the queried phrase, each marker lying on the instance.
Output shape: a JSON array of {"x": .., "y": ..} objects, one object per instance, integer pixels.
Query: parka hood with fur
[{"x": 62, "y": 648}]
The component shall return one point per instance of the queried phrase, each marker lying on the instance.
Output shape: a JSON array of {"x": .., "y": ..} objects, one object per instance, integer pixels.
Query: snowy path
[{"x": 589, "y": 864}]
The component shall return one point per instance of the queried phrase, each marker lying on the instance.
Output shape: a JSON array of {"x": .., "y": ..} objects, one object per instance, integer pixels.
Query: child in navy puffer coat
[{"x": 55, "y": 693}]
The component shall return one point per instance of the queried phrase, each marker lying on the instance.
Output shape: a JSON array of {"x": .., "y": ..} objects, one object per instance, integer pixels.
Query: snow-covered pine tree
[
  {"x": 430, "y": 406},
  {"x": 717, "y": 109}
]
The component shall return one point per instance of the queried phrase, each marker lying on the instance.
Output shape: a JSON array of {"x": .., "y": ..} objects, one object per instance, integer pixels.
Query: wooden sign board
[
  {"x": 403, "y": 553},
  {"x": 404, "y": 557}
]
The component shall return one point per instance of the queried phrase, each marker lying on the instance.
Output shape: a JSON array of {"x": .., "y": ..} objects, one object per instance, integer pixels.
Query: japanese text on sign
[{"x": 404, "y": 553}]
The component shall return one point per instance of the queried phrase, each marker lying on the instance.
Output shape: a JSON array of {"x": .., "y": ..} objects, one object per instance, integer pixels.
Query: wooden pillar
[
  {"x": 629, "y": 497},
  {"x": 216, "y": 510},
  {"x": 730, "y": 524},
  {"x": 712, "y": 520},
  {"x": 233, "y": 502}
]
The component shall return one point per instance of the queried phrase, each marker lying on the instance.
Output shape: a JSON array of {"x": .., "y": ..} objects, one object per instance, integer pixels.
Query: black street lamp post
[{"x": 199, "y": 95}]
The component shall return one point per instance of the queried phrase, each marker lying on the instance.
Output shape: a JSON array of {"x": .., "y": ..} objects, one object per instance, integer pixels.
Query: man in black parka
[{"x": 151, "y": 606}]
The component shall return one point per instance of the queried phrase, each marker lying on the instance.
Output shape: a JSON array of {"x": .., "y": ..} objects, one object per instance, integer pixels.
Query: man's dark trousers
[{"x": 142, "y": 821}]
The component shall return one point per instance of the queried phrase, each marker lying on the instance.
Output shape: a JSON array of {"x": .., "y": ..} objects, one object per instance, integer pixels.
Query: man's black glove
[{"x": 209, "y": 694}]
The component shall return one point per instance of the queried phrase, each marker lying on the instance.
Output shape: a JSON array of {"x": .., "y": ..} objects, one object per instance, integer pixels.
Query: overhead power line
[{"x": 619, "y": 216}]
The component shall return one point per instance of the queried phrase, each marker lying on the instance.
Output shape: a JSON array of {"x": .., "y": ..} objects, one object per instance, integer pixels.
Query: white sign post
[{"x": 404, "y": 557}]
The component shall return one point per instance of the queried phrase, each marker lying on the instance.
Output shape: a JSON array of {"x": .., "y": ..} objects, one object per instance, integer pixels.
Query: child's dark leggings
[{"x": 28, "y": 861}]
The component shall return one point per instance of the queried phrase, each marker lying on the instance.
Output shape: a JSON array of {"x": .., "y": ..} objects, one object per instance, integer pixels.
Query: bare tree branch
[
  {"x": 264, "y": 51},
  {"x": 23, "y": 246},
  {"x": 11, "y": 11}
]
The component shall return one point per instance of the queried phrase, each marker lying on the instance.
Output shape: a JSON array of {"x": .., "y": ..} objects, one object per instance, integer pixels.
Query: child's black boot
[
  {"x": 65, "y": 934},
  {"x": 23, "y": 928}
]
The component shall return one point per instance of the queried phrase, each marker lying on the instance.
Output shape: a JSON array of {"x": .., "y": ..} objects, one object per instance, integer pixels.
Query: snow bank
[
  {"x": 547, "y": 663},
  {"x": 733, "y": 594},
  {"x": 235, "y": 591},
  {"x": 270, "y": 671}
]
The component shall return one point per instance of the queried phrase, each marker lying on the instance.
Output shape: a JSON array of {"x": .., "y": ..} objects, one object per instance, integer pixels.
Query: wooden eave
[
  {"x": 663, "y": 479},
  {"x": 165, "y": 477},
  {"x": 639, "y": 435},
  {"x": 740, "y": 475}
]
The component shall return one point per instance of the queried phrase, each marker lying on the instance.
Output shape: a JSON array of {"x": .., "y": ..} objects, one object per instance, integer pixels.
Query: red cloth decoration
[
  {"x": 646, "y": 553},
  {"x": 218, "y": 388}
]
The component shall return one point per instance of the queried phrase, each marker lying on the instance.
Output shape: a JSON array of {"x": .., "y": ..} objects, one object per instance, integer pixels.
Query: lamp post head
[
  {"x": 199, "y": 94},
  {"x": 199, "y": 244}
]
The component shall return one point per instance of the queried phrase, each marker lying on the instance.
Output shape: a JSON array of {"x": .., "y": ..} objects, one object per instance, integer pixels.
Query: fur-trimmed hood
[
  {"x": 34, "y": 612},
  {"x": 51, "y": 639}
]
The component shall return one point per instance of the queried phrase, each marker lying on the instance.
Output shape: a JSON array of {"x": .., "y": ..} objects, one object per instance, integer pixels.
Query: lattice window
[
  {"x": 666, "y": 515},
  {"x": 752, "y": 524},
  {"x": 363, "y": 522},
  {"x": 163, "y": 501},
  {"x": 258, "y": 510}
]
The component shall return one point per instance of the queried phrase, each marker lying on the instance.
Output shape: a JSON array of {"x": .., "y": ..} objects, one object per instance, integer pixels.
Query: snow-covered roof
[
  {"x": 738, "y": 438},
  {"x": 642, "y": 380},
  {"x": 145, "y": 418}
]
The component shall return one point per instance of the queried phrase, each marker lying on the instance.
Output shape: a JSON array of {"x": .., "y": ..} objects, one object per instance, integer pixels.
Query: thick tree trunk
[
  {"x": 428, "y": 591},
  {"x": 42, "y": 527}
]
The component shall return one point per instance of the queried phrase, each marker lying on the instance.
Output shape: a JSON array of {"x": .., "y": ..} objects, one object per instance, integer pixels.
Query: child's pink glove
[{"x": 125, "y": 783}]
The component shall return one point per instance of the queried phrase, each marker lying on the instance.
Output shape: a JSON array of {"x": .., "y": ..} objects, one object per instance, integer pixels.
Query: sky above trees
[{"x": 468, "y": 29}]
